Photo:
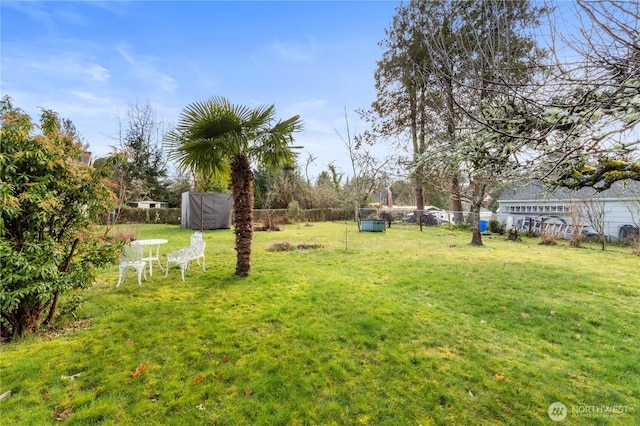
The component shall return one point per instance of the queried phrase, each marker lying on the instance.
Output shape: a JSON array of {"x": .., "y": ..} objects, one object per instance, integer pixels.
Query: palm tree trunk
[{"x": 242, "y": 187}]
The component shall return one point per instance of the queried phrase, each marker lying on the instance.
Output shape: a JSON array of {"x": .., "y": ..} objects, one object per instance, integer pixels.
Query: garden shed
[{"x": 206, "y": 210}]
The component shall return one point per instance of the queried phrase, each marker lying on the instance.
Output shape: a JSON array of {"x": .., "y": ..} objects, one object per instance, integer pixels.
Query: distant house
[
  {"x": 149, "y": 204},
  {"x": 614, "y": 212}
]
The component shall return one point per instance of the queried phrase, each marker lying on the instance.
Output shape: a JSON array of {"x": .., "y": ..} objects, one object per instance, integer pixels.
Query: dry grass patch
[{"x": 287, "y": 246}]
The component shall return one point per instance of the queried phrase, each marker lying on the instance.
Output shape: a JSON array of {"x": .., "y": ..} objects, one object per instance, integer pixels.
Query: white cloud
[
  {"x": 86, "y": 96},
  {"x": 312, "y": 124},
  {"x": 98, "y": 72},
  {"x": 309, "y": 104},
  {"x": 143, "y": 67},
  {"x": 292, "y": 51},
  {"x": 72, "y": 66}
]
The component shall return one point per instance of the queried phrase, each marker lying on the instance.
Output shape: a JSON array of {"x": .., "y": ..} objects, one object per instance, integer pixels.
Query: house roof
[{"x": 536, "y": 190}]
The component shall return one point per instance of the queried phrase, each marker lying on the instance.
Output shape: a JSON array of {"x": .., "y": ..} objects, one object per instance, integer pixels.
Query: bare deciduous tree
[{"x": 366, "y": 168}]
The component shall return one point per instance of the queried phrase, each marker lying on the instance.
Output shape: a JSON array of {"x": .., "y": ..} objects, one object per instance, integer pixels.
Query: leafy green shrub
[
  {"x": 496, "y": 226},
  {"x": 138, "y": 215},
  {"x": 294, "y": 213},
  {"x": 462, "y": 226},
  {"x": 48, "y": 197}
]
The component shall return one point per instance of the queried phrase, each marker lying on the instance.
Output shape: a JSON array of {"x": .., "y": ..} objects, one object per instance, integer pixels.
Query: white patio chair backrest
[
  {"x": 198, "y": 247},
  {"x": 132, "y": 253},
  {"x": 195, "y": 237}
]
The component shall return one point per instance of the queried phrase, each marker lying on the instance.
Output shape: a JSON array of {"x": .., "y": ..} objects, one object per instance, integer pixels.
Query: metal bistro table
[{"x": 157, "y": 242}]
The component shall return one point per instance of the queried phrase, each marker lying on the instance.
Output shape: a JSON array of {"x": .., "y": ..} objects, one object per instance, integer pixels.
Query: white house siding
[
  {"x": 149, "y": 204},
  {"x": 621, "y": 207}
]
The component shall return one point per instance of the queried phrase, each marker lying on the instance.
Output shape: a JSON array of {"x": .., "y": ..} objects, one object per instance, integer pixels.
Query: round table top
[{"x": 150, "y": 242}]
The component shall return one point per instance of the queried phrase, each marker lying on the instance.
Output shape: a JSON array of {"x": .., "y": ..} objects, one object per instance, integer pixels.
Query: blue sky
[{"x": 88, "y": 60}]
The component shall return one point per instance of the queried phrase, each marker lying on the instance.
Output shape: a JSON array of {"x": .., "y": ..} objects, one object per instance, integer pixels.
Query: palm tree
[{"x": 216, "y": 138}]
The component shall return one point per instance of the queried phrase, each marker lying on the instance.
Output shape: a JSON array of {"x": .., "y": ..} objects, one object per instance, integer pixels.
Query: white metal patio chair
[
  {"x": 199, "y": 245},
  {"x": 184, "y": 256},
  {"x": 132, "y": 259}
]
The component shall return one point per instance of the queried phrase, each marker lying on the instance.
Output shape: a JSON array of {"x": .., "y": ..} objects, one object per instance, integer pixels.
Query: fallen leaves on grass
[
  {"x": 524, "y": 315},
  {"x": 197, "y": 380},
  {"x": 247, "y": 392},
  {"x": 54, "y": 333},
  {"x": 498, "y": 377},
  {"x": 63, "y": 415},
  {"x": 144, "y": 366}
]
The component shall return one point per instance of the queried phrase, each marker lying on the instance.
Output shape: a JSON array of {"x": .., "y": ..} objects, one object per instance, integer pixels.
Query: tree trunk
[
  {"x": 64, "y": 267},
  {"x": 417, "y": 150},
  {"x": 419, "y": 193},
  {"x": 24, "y": 319},
  {"x": 456, "y": 201},
  {"x": 476, "y": 239},
  {"x": 242, "y": 187},
  {"x": 479, "y": 188}
]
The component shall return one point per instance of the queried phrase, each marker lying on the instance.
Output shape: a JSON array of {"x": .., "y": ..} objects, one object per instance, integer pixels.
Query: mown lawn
[{"x": 396, "y": 328}]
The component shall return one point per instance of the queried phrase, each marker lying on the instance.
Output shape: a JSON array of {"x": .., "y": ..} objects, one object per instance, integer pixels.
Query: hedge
[{"x": 131, "y": 215}]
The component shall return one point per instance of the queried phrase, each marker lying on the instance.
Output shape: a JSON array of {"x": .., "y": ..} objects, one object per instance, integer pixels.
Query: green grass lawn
[{"x": 396, "y": 328}]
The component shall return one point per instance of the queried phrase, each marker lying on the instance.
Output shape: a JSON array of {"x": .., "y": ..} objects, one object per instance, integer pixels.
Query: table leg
[
  {"x": 150, "y": 261},
  {"x": 158, "y": 257}
]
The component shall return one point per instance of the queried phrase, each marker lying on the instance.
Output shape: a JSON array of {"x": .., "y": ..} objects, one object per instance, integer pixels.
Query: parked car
[
  {"x": 430, "y": 216},
  {"x": 628, "y": 232}
]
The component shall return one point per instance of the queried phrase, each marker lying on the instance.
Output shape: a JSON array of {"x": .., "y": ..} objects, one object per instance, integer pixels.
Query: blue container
[
  {"x": 373, "y": 225},
  {"x": 483, "y": 225}
]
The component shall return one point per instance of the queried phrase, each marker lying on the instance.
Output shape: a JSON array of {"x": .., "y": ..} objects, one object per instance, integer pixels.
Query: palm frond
[
  {"x": 210, "y": 133},
  {"x": 208, "y": 156},
  {"x": 274, "y": 145}
]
